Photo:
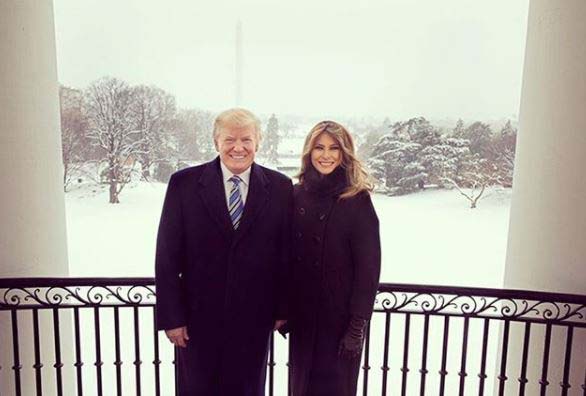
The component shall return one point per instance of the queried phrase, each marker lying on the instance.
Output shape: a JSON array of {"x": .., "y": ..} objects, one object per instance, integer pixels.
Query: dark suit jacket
[{"x": 224, "y": 285}]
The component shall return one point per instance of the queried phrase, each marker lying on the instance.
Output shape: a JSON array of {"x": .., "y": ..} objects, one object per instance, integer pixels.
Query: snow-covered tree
[
  {"x": 459, "y": 131},
  {"x": 476, "y": 174},
  {"x": 508, "y": 129},
  {"x": 394, "y": 163},
  {"x": 480, "y": 136},
  {"x": 192, "y": 137},
  {"x": 271, "y": 140},
  {"x": 112, "y": 129},
  {"x": 405, "y": 157},
  {"x": 413, "y": 178},
  {"x": 417, "y": 130},
  {"x": 152, "y": 110},
  {"x": 73, "y": 131},
  {"x": 414, "y": 153},
  {"x": 504, "y": 146},
  {"x": 444, "y": 160},
  {"x": 372, "y": 135},
  {"x": 424, "y": 133}
]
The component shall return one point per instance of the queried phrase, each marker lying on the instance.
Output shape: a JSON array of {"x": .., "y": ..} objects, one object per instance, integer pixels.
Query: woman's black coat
[{"x": 335, "y": 276}]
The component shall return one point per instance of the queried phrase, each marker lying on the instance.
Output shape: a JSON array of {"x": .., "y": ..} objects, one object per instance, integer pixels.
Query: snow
[
  {"x": 427, "y": 237},
  {"x": 292, "y": 145},
  {"x": 431, "y": 237},
  {"x": 113, "y": 239}
]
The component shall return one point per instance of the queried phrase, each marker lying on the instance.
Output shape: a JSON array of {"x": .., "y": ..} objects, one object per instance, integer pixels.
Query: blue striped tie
[{"x": 235, "y": 205}]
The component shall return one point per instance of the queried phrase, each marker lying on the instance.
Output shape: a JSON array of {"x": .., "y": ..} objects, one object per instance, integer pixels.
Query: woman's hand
[{"x": 351, "y": 344}]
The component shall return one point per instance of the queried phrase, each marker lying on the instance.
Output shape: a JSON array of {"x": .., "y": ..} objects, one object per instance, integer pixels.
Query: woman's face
[{"x": 326, "y": 154}]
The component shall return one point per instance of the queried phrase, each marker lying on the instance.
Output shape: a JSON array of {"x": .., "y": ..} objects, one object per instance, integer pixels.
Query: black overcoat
[
  {"x": 224, "y": 285},
  {"x": 335, "y": 276}
]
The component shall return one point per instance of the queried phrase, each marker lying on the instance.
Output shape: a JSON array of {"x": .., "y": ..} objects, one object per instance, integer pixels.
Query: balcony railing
[{"x": 53, "y": 326}]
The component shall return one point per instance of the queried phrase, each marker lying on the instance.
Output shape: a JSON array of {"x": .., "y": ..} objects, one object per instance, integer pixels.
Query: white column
[
  {"x": 32, "y": 226},
  {"x": 547, "y": 245}
]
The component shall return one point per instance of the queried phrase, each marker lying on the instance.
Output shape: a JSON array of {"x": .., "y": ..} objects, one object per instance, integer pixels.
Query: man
[{"x": 221, "y": 263}]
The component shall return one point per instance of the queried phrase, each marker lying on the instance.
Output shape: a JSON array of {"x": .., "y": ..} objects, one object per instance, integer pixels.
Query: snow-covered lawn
[{"x": 431, "y": 237}]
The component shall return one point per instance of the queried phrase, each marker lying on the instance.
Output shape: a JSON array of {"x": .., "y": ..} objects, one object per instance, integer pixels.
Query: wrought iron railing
[{"x": 495, "y": 333}]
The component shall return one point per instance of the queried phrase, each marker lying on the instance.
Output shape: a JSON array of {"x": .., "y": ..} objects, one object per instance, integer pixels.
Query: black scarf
[{"x": 330, "y": 185}]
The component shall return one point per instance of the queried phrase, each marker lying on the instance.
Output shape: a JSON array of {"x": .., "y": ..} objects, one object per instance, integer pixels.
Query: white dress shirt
[{"x": 226, "y": 175}]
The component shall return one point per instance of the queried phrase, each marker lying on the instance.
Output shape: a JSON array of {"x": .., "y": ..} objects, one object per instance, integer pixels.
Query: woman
[{"x": 335, "y": 276}]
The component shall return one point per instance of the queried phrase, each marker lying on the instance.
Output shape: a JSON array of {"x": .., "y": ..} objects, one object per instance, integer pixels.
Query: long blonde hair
[{"x": 356, "y": 174}]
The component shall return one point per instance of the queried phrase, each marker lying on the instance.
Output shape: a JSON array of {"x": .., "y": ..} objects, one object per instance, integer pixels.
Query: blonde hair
[
  {"x": 237, "y": 117},
  {"x": 356, "y": 174}
]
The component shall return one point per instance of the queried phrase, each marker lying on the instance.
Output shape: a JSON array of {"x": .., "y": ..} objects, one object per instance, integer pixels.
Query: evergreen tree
[
  {"x": 394, "y": 163},
  {"x": 421, "y": 131},
  {"x": 504, "y": 146},
  {"x": 480, "y": 136},
  {"x": 508, "y": 129},
  {"x": 371, "y": 137},
  {"x": 444, "y": 160},
  {"x": 401, "y": 158},
  {"x": 271, "y": 140},
  {"x": 459, "y": 131},
  {"x": 414, "y": 154}
]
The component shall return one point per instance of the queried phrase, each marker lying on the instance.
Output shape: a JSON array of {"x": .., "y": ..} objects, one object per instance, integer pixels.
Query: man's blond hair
[{"x": 237, "y": 118}]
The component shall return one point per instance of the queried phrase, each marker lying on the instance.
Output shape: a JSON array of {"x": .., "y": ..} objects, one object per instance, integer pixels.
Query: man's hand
[
  {"x": 279, "y": 324},
  {"x": 178, "y": 336}
]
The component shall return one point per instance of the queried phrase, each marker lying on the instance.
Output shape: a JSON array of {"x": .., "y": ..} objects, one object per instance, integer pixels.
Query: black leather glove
[{"x": 351, "y": 344}]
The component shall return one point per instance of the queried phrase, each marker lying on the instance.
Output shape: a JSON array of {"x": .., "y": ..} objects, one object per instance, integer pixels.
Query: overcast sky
[{"x": 396, "y": 58}]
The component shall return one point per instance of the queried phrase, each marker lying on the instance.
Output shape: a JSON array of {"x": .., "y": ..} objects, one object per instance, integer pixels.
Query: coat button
[
  {"x": 316, "y": 263},
  {"x": 316, "y": 239},
  {"x": 298, "y": 258},
  {"x": 299, "y": 235},
  {"x": 302, "y": 211},
  {"x": 322, "y": 217}
]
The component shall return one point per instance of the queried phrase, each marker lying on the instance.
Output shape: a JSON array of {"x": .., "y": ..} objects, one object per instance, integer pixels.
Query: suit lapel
[
  {"x": 257, "y": 198},
  {"x": 213, "y": 196}
]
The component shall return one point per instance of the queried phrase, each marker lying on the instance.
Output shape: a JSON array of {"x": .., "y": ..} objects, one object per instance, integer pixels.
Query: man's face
[{"x": 237, "y": 147}]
